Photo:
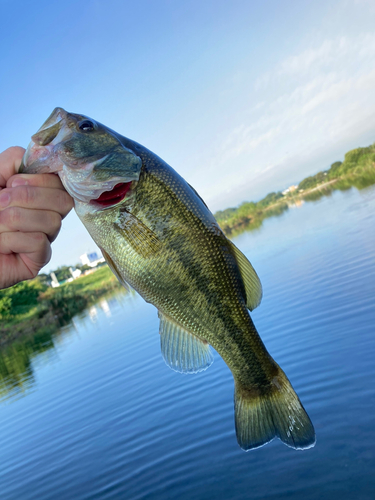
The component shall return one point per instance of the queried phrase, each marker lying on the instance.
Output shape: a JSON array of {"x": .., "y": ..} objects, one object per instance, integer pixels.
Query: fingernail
[
  {"x": 19, "y": 181},
  {"x": 4, "y": 199}
]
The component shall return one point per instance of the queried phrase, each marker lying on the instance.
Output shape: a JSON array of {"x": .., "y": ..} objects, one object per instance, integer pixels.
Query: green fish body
[{"x": 158, "y": 236}]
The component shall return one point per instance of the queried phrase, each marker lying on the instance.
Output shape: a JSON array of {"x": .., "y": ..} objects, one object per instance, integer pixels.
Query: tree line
[{"x": 357, "y": 169}]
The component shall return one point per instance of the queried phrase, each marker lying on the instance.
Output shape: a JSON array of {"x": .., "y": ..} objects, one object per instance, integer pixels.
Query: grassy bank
[
  {"x": 357, "y": 169},
  {"x": 31, "y": 306},
  {"x": 31, "y": 316}
]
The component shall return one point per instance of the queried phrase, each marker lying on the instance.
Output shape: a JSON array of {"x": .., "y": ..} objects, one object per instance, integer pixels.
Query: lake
[{"x": 94, "y": 412}]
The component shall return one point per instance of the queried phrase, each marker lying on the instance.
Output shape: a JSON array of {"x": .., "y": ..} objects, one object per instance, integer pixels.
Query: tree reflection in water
[{"x": 16, "y": 367}]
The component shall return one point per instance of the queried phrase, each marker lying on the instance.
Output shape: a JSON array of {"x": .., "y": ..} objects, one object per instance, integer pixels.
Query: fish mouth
[
  {"x": 49, "y": 152},
  {"x": 40, "y": 156},
  {"x": 113, "y": 197}
]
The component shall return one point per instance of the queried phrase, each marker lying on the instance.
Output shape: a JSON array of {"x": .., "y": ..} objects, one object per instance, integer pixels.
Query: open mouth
[{"x": 114, "y": 196}]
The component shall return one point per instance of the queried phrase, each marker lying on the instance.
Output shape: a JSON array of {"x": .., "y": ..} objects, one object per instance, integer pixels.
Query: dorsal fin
[
  {"x": 143, "y": 240},
  {"x": 182, "y": 351},
  {"x": 251, "y": 281},
  {"x": 202, "y": 200}
]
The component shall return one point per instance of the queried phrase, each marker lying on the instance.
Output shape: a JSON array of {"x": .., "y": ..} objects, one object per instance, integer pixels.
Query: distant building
[
  {"x": 54, "y": 281},
  {"x": 290, "y": 190},
  {"x": 91, "y": 259},
  {"x": 76, "y": 273}
]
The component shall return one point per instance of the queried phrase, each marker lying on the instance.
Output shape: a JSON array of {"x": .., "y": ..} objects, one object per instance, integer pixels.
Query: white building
[
  {"x": 76, "y": 273},
  {"x": 290, "y": 189},
  {"x": 54, "y": 282},
  {"x": 91, "y": 259}
]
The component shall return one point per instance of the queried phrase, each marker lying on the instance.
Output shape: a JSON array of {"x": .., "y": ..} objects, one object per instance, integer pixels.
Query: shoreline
[
  {"x": 255, "y": 219},
  {"x": 55, "y": 307}
]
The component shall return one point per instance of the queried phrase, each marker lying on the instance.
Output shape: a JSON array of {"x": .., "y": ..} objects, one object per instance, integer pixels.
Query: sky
[{"x": 241, "y": 98}]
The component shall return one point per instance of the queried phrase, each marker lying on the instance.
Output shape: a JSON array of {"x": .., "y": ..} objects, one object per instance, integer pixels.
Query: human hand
[{"x": 31, "y": 210}]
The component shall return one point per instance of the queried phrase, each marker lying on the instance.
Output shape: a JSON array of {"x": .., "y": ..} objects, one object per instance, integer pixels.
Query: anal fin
[{"x": 182, "y": 351}]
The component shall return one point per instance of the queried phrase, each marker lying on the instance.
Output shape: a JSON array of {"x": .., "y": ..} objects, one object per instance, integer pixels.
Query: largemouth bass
[{"x": 158, "y": 236}]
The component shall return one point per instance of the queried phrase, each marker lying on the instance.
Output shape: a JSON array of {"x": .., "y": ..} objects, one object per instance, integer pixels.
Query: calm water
[{"x": 97, "y": 413}]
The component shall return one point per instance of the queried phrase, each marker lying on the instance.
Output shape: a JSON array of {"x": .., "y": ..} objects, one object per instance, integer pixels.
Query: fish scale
[{"x": 159, "y": 237}]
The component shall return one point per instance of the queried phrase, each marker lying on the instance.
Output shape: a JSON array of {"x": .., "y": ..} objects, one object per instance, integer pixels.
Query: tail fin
[{"x": 277, "y": 413}]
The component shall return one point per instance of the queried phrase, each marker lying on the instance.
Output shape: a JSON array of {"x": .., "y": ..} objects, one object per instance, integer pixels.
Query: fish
[{"x": 159, "y": 237}]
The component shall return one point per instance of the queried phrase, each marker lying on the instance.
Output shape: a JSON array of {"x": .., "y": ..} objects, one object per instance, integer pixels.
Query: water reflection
[
  {"x": 297, "y": 200},
  {"x": 106, "y": 308},
  {"x": 105, "y": 305},
  {"x": 105, "y": 418},
  {"x": 93, "y": 313},
  {"x": 298, "y": 203},
  {"x": 16, "y": 373},
  {"x": 17, "y": 358}
]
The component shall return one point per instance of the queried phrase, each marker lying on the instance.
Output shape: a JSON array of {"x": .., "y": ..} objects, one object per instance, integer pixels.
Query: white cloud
[
  {"x": 329, "y": 53},
  {"x": 309, "y": 103}
]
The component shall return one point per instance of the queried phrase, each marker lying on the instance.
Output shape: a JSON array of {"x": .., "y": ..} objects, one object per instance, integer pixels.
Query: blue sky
[{"x": 241, "y": 97}]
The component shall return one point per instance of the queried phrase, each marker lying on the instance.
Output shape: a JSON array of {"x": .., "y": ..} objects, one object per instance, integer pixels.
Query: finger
[
  {"x": 35, "y": 244},
  {"x": 37, "y": 180},
  {"x": 24, "y": 253},
  {"x": 10, "y": 161},
  {"x": 37, "y": 198},
  {"x": 26, "y": 221}
]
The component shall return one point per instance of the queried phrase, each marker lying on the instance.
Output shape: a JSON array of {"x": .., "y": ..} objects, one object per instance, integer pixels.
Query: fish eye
[{"x": 86, "y": 126}]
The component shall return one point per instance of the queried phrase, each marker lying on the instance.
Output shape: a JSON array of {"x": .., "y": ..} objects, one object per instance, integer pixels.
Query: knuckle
[
  {"x": 23, "y": 195},
  {"x": 64, "y": 200},
  {"x": 41, "y": 180},
  {"x": 55, "y": 220},
  {"x": 44, "y": 247},
  {"x": 4, "y": 238},
  {"x": 55, "y": 226},
  {"x": 11, "y": 217},
  {"x": 40, "y": 238},
  {"x": 28, "y": 194}
]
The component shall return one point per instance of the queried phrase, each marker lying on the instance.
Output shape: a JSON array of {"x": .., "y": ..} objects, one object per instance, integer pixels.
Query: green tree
[
  {"x": 270, "y": 199},
  {"x": 62, "y": 273},
  {"x": 45, "y": 279},
  {"x": 222, "y": 215},
  {"x": 5, "y": 306},
  {"x": 335, "y": 166},
  {"x": 26, "y": 293},
  {"x": 83, "y": 267}
]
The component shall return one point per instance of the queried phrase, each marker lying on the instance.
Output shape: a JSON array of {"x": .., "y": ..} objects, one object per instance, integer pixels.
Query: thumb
[{"x": 10, "y": 161}]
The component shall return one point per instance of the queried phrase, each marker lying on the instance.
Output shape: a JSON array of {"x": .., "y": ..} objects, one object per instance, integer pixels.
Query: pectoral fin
[
  {"x": 115, "y": 270},
  {"x": 143, "y": 240},
  {"x": 181, "y": 350},
  {"x": 253, "y": 286}
]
